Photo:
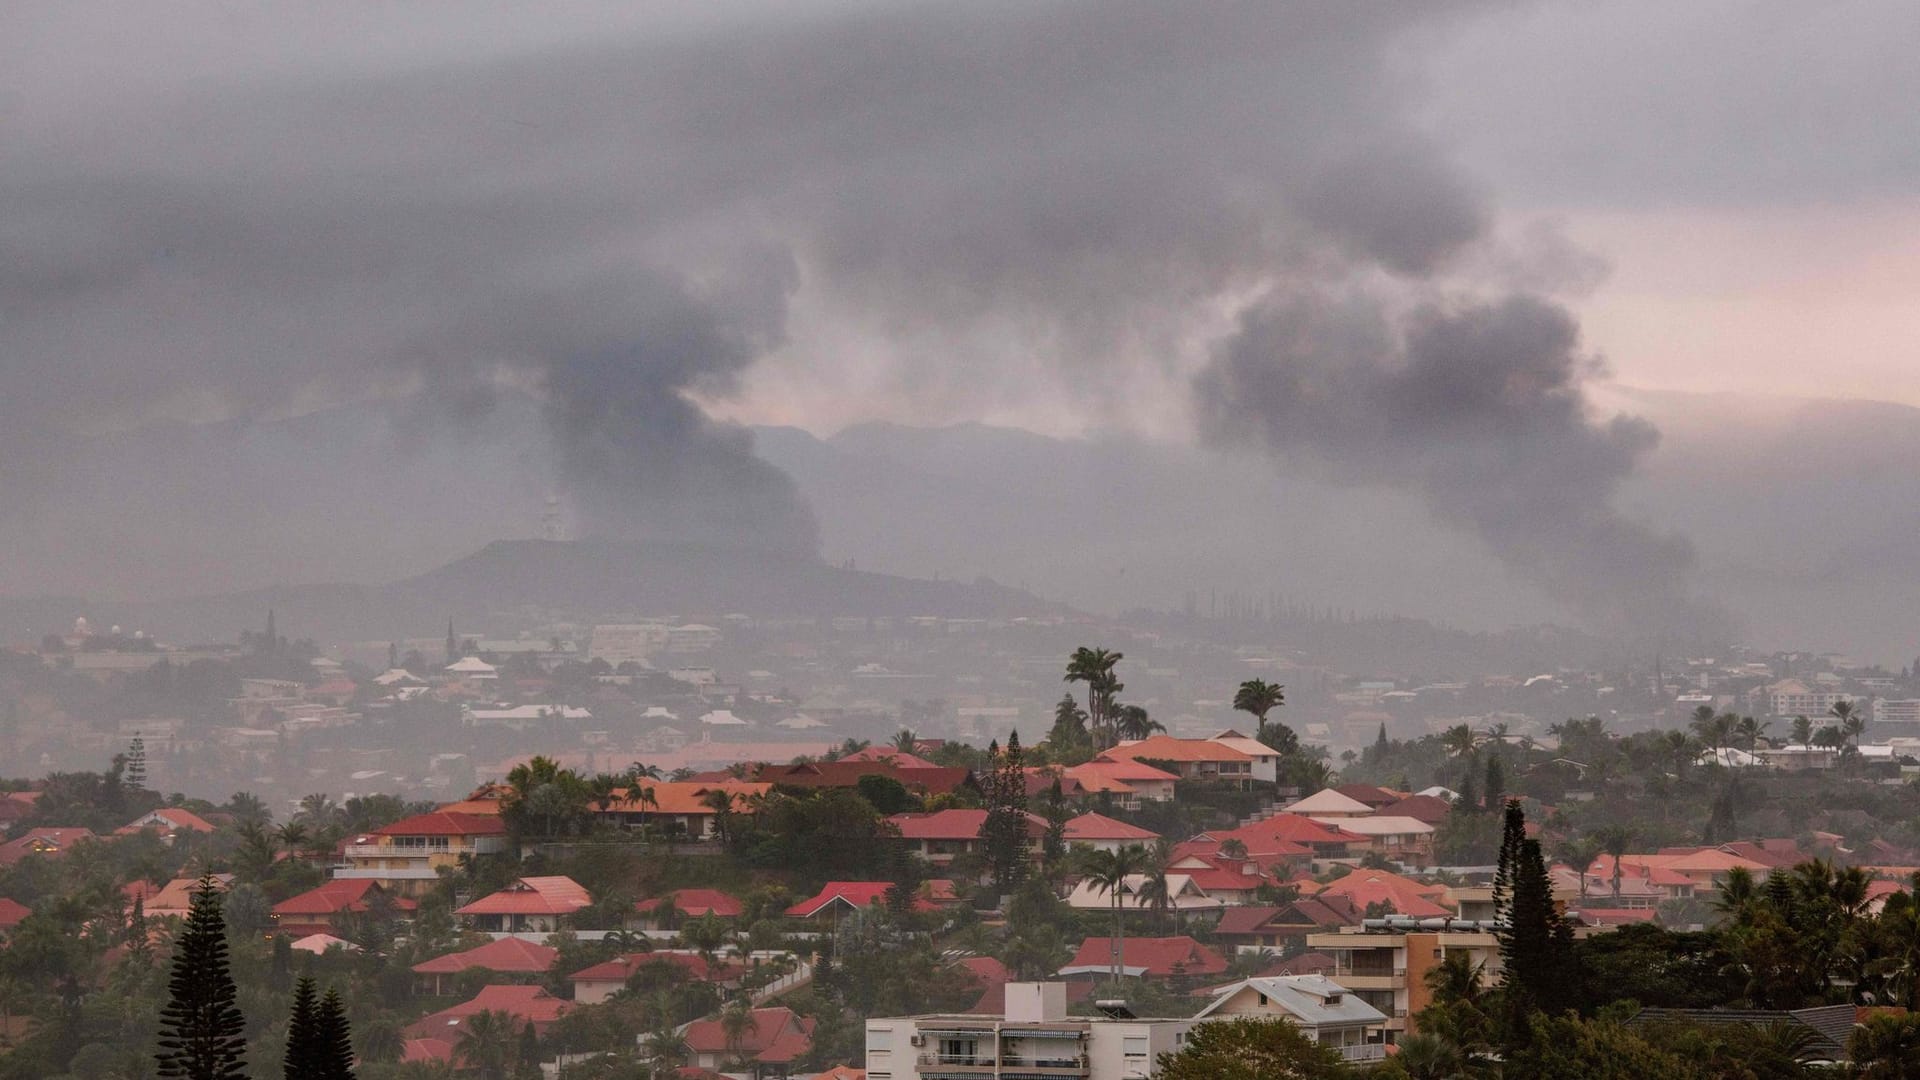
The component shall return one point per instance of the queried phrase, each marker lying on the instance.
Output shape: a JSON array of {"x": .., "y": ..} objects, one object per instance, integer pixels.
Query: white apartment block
[
  {"x": 1896, "y": 710},
  {"x": 1036, "y": 1038}
]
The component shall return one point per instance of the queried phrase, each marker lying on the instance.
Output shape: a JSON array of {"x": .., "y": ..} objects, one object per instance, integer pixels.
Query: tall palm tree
[
  {"x": 1849, "y": 718},
  {"x": 1751, "y": 732},
  {"x": 317, "y": 809},
  {"x": 1737, "y": 896},
  {"x": 1132, "y": 722},
  {"x": 1109, "y": 871},
  {"x": 1257, "y": 698},
  {"x": 1802, "y": 731},
  {"x": 1614, "y": 840},
  {"x": 736, "y": 1023},
  {"x": 639, "y": 771},
  {"x": 666, "y": 1049},
  {"x": 1155, "y": 891},
  {"x": 721, "y": 803},
  {"x": 1459, "y": 740},
  {"x": 905, "y": 740},
  {"x": 1095, "y": 667},
  {"x": 489, "y": 1044}
]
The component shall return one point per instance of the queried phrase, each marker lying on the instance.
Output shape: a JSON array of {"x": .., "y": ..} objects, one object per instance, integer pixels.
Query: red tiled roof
[
  {"x": 1428, "y": 808},
  {"x": 340, "y": 894},
  {"x": 46, "y": 840},
  {"x": 11, "y": 912},
  {"x": 526, "y": 1004},
  {"x": 533, "y": 896},
  {"x": 1161, "y": 957},
  {"x": 427, "y": 1050},
  {"x": 1244, "y": 920},
  {"x": 897, "y": 758},
  {"x": 854, "y": 894},
  {"x": 509, "y": 955},
  {"x": 445, "y": 823},
  {"x": 927, "y": 780},
  {"x": 1168, "y": 748},
  {"x": 169, "y": 818},
  {"x": 954, "y": 825},
  {"x": 778, "y": 1035},
  {"x": 1375, "y": 797},
  {"x": 696, "y": 902},
  {"x": 1090, "y": 827},
  {"x": 621, "y": 968},
  {"x": 1366, "y": 887},
  {"x": 1288, "y": 828}
]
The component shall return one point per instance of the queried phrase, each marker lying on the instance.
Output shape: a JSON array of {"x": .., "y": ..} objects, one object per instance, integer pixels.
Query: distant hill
[{"x": 499, "y": 586}]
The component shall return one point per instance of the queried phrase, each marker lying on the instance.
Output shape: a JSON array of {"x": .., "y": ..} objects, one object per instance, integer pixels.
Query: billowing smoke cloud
[
  {"x": 1477, "y": 407},
  {"x": 989, "y": 203}
]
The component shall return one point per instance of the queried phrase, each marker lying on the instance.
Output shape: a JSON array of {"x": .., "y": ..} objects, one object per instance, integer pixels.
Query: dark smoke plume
[
  {"x": 621, "y": 213},
  {"x": 1477, "y": 408}
]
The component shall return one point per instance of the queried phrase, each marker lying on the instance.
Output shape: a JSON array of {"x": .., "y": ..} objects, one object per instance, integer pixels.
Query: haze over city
[{"x": 626, "y": 540}]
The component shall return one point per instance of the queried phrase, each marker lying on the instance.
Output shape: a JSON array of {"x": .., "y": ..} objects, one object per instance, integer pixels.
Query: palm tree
[
  {"x": 1751, "y": 732},
  {"x": 720, "y": 802},
  {"x": 317, "y": 809},
  {"x": 1459, "y": 740},
  {"x": 1109, "y": 871},
  {"x": 1614, "y": 840},
  {"x": 1425, "y": 1056},
  {"x": 666, "y": 1049},
  {"x": 1154, "y": 890},
  {"x": 905, "y": 740},
  {"x": 639, "y": 771},
  {"x": 1802, "y": 731},
  {"x": 1737, "y": 896},
  {"x": 489, "y": 1044},
  {"x": 736, "y": 1021},
  {"x": 1579, "y": 853},
  {"x": 1257, "y": 698},
  {"x": 1131, "y": 722},
  {"x": 293, "y": 836},
  {"x": 1849, "y": 719},
  {"x": 381, "y": 1040},
  {"x": 1095, "y": 668},
  {"x": 1456, "y": 978}
]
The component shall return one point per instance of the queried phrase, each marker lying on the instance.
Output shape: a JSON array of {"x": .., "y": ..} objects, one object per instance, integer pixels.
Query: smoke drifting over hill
[{"x": 624, "y": 214}]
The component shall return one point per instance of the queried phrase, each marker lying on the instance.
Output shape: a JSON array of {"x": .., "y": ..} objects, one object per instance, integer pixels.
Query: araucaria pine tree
[
  {"x": 1004, "y": 834},
  {"x": 1536, "y": 942},
  {"x": 302, "y": 1058},
  {"x": 333, "y": 1040},
  {"x": 202, "y": 1034}
]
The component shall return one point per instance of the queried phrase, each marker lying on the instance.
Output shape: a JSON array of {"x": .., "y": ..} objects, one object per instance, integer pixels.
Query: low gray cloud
[{"x": 624, "y": 215}]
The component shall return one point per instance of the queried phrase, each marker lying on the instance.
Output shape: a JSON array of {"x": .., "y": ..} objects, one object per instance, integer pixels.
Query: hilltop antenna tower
[{"x": 553, "y": 523}]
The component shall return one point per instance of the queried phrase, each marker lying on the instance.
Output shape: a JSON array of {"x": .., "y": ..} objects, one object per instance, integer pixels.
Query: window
[
  {"x": 1134, "y": 1046},
  {"x": 879, "y": 1039}
]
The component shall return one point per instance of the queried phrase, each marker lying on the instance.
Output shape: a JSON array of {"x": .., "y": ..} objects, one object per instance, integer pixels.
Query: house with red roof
[
  {"x": 683, "y": 808},
  {"x": 653, "y": 913},
  {"x": 943, "y": 835},
  {"x": 837, "y": 898},
  {"x": 1184, "y": 895},
  {"x": 540, "y": 905},
  {"x": 1103, "y": 833},
  {"x": 525, "y": 1004},
  {"x": 172, "y": 900},
  {"x": 1276, "y": 928},
  {"x": 1190, "y": 759},
  {"x": 1428, "y": 808},
  {"x": 1365, "y": 888},
  {"x": 922, "y": 780},
  {"x": 324, "y": 910},
  {"x": 1154, "y": 958},
  {"x": 11, "y": 912},
  {"x": 406, "y": 856},
  {"x": 891, "y": 755},
  {"x": 1228, "y": 880},
  {"x": 167, "y": 822},
  {"x": 1125, "y": 781},
  {"x": 48, "y": 841},
  {"x": 593, "y": 985},
  {"x": 1262, "y": 837},
  {"x": 777, "y": 1038},
  {"x": 503, "y": 956}
]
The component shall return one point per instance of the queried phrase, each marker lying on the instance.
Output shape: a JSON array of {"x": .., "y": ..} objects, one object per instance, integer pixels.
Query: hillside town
[{"x": 698, "y": 876}]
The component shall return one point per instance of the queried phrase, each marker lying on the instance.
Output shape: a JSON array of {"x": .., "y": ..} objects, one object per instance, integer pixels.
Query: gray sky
[{"x": 661, "y": 218}]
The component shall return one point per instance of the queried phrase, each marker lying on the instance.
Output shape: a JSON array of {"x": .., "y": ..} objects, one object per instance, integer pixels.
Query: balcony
[{"x": 1364, "y": 1052}]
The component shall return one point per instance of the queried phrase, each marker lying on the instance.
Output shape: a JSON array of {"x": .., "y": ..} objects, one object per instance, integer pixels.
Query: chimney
[{"x": 1036, "y": 1002}]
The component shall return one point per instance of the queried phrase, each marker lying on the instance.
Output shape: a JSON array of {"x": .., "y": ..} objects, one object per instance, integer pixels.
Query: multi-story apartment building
[
  {"x": 1036, "y": 1037},
  {"x": 406, "y": 856},
  {"x": 1385, "y": 962}
]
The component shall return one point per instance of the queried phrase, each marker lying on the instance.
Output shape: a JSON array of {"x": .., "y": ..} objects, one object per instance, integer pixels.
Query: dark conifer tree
[
  {"x": 303, "y": 1057},
  {"x": 202, "y": 1034},
  {"x": 529, "y": 1049},
  {"x": 1536, "y": 942},
  {"x": 1004, "y": 833},
  {"x": 1496, "y": 781},
  {"x": 333, "y": 1040}
]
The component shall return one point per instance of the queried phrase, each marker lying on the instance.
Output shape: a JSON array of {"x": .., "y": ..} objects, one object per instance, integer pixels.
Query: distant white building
[
  {"x": 522, "y": 717},
  {"x": 621, "y": 643},
  {"x": 1034, "y": 1037},
  {"x": 472, "y": 668}
]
